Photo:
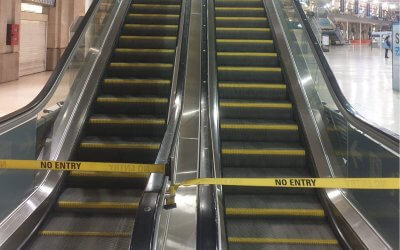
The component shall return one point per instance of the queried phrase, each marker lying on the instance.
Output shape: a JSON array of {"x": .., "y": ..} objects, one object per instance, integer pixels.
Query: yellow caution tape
[
  {"x": 346, "y": 183},
  {"x": 82, "y": 166}
]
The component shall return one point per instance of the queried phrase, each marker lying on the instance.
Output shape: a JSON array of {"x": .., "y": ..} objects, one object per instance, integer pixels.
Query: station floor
[
  {"x": 365, "y": 77},
  {"x": 16, "y": 94}
]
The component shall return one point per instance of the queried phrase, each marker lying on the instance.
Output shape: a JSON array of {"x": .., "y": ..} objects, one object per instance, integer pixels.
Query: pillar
[{"x": 10, "y": 11}]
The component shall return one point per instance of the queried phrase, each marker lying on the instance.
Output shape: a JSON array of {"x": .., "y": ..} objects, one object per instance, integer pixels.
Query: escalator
[
  {"x": 127, "y": 123},
  {"x": 261, "y": 137}
]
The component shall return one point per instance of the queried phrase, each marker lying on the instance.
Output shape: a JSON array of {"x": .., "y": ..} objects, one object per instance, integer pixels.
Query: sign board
[
  {"x": 12, "y": 34},
  {"x": 396, "y": 56},
  {"x": 41, "y": 2}
]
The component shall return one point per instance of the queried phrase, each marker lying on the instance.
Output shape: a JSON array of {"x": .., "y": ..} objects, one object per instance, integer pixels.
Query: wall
[{"x": 10, "y": 11}]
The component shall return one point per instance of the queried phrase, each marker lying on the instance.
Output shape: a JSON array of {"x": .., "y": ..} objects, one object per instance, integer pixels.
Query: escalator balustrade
[
  {"x": 127, "y": 124},
  {"x": 260, "y": 137}
]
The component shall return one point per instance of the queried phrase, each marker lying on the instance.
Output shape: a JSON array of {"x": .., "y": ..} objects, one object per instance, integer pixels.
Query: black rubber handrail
[
  {"x": 379, "y": 132},
  {"x": 57, "y": 71}
]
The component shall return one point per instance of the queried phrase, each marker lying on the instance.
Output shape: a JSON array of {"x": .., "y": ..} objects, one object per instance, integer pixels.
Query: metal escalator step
[
  {"x": 148, "y": 42},
  {"x": 144, "y": 55},
  {"x": 117, "y": 149},
  {"x": 243, "y": 33},
  {"x": 87, "y": 179},
  {"x": 271, "y": 212},
  {"x": 84, "y": 234},
  {"x": 254, "y": 90},
  {"x": 156, "y": 8},
  {"x": 261, "y": 74},
  {"x": 117, "y": 125},
  {"x": 105, "y": 207},
  {"x": 152, "y": 18},
  {"x": 131, "y": 105},
  {"x": 240, "y": 11},
  {"x": 150, "y": 29},
  {"x": 132, "y": 85},
  {"x": 258, "y": 130},
  {"x": 158, "y": 1},
  {"x": 244, "y": 22},
  {"x": 238, "y": 3},
  {"x": 245, "y": 45},
  {"x": 237, "y": 109},
  {"x": 262, "y": 154},
  {"x": 285, "y": 231},
  {"x": 247, "y": 59},
  {"x": 109, "y": 174},
  {"x": 140, "y": 70}
]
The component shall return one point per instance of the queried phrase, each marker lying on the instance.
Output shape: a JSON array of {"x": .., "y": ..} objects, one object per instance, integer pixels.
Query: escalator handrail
[
  {"x": 31, "y": 109},
  {"x": 382, "y": 135}
]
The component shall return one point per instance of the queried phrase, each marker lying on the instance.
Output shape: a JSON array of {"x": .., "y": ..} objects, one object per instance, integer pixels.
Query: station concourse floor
[{"x": 364, "y": 76}]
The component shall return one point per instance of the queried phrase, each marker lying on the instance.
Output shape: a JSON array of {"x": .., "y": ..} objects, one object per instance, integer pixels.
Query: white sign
[{"x": 396, "y": 56}]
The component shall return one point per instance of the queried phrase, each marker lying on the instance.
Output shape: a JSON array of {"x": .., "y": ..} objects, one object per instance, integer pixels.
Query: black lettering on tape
[{"x": 280, "y": 182}]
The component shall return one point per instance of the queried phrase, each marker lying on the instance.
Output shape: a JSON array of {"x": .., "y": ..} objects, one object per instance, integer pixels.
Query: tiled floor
[
  {"x": 16, "y": 94},
  {"x": 365, "y": 77}
]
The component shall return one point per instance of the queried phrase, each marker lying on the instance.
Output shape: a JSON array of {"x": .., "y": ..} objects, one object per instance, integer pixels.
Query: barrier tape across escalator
[{"x": 345, "y": 183}]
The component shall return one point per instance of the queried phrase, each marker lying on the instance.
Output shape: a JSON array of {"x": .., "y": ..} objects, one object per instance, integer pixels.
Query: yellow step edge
[
  {"x": 241, "y": 18},
  {"x": 163, "y": 26},
  {"x": 85, "y": 234},
  {"x": 154, "y": 15},
  {"x": 242, "y": 29},
  {"x": 108, "y": 174},
  {"x": 126, "y": 50},
  {"x": 286, "y": 152},
  {"x": 98, "y": 205},
  {"x": 132, "y": 100},
  {"x": 172, "y": 6},
  {"x": 125, "y": 121},
  {"x": 255, "y": 105},
  {"x": 120, "y": 145},
  {"x": 246, "y": 240},
  {"x": 244, "y": 41},
  {"x": 137, "y": 81},
  {"x": 247, "y": 54},
  {"x": 274, "y": 211},
  {"x": 148, "y": 37},
  {"x": 260, "y": 126},
  {"x": 240, "y": 8},
  {"x": 250, "y": 69},
  {"x": 252, "y": 85},
  {"x": 141, "y": 65}
]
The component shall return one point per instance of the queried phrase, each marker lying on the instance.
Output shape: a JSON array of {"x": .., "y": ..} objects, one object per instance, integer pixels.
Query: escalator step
[
  {"x": 261, "y": 154},
  {"x": 141, "y": 70},
  {"x": 126, "y": 126},
  {"x": 116, "y": 149},
  {"x": 245, "y": 45},
  {"x": 258, "y": 130},
  {"x": 238, "y": 3},
  {"x": 148, "y": 42},
  {"x": 267, "y": 243},
  {"x": 294, "y": 231},
  {"x": 144, "y": 55},
  {"x": 245, "y": 22},
  {"x": 156, "y": 8},
  {"x": 158, "y": 1},
  {"x": 240, "y": 11},
  {"x": 131, "y": 85},
  {"x": 247, "y": 59},
  {"x": 243, "y": 33},
  {"x": 150, "y": 29},
  {"x": 237, "y": 90},
  {"x": 234, "y": 73},
  {"x": 273, "y": 212},
  {"x": 131, "y": 105},
  {"x": 152, "y": 18},
  {"x": 113, "y": 180},
  {"x": 255, "y": 109}
]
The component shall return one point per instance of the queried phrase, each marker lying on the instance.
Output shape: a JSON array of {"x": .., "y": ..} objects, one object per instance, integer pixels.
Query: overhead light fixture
[{"x": 27, "y": 7}]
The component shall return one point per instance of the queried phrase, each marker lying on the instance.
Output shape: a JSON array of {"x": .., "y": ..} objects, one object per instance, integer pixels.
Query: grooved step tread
[
  {"x": 84, "y": 234},
  {"x": 98, "y": 205},
  {"x": 148, "y": 37},
  {"x": 242, "y": 29},
  {"x": 258, "y": 126},
  {"x": 172, "y": 6},
  {"x": 245, "y": 41},
  {"x": 155, "y": 15},
  {"x": 227, "y": 85},
  {"x": 116, "y": 81},
  {"x": 142, "y": 65},
  {"x": 244, "y": 104},
  {"x": 240, "y": 8},
  {"x": 108, "y": 174},
  {"x": 131, "y": 100},
  {"x": 151, "y": 26},
  {"x": 223, "y": 18},
  {"x": 247, "y": 54},
  {"x": 120, "y": 145},
  {"x": 249, "y": 69},
  {"x": 126, "y": 121},
  {"x": 297, "y": 241},
  {"x": 254, "y": 212}
]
